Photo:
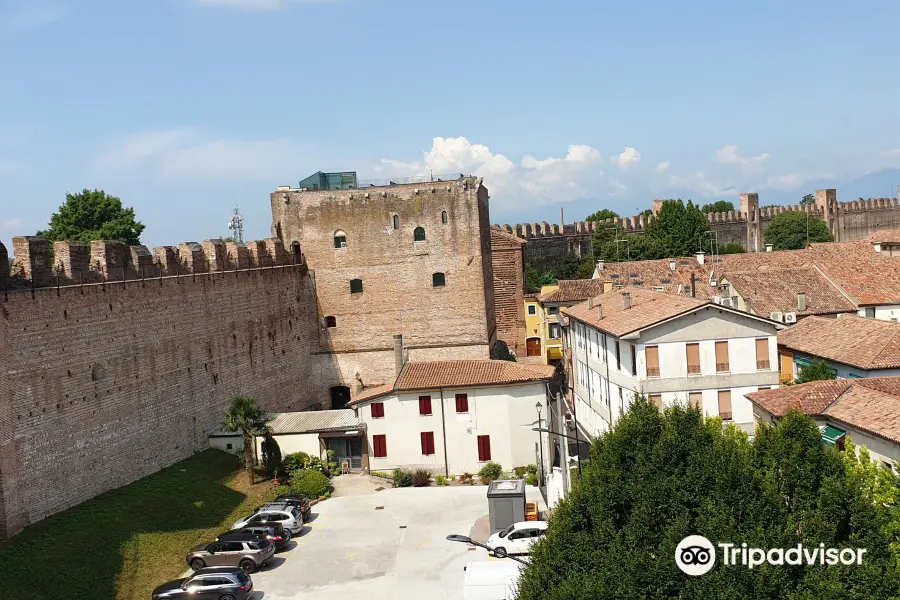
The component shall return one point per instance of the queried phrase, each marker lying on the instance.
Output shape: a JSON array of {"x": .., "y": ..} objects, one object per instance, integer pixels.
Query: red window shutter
[
  {"x": 377, "y": 410},
  {"x": 424, "y": 405},
  {"x": 380, "y": 445},
  {"x": 462, "y": 403},
  {"x": 427, "y": 443},
  {"x": 484, "y": 448}
]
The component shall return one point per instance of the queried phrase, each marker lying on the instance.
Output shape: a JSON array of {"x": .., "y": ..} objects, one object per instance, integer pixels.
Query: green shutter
[{"x": 830, "y": 435}]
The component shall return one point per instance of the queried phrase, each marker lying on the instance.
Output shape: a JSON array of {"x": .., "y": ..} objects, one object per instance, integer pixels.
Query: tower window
[
  {"x": 330, "y": 322},
  {"x": 419, "y": 234},
  {"x": 444, "y": 217},
  {"x": 438, "y": 280},
  {"x": 396, "y": 221},
  {"x": 340, "y": 239},
  {"x": 356, "y": 286}
]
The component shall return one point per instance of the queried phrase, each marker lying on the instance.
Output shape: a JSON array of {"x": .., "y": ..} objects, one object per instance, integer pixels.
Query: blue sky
[{"x": 184, "y": 107}]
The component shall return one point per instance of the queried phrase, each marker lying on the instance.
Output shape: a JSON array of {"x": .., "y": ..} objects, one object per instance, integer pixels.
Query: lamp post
[
  {"x": 538, "y": 406},
  {"x": 562, "y": 435},
  {"x": 467, "y": 540}
]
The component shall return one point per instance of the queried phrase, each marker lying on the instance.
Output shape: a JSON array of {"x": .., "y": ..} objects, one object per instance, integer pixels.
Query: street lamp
[
  {"x": 467, "y": 540},
  {"x": 538, "y": 406},
  {"x": 562, "y": 435}
]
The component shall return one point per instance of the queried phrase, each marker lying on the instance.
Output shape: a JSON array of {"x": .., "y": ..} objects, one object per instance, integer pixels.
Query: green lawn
[{"x": 126, "y": 542}]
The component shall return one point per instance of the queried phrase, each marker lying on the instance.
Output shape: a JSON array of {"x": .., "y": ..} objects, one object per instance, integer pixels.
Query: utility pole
[{"x": 236, "y": 224}]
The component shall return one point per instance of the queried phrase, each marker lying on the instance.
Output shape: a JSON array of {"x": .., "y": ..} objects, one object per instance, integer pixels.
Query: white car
[
  {"x": 287, "y": 516},
  {"x": 518, "y": 537}
]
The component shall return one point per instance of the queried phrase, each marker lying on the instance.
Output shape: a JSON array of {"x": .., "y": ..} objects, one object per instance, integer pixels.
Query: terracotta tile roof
[
  {"x": 887, "y": 236},
  {"x": 424, "y": 375},
  {"x": 869, "y": 404},
  {"x": 647, "y": 308},
  {"x": 775, "y": 290},
  {"x": 573, "y": 290},
  {"x": 501, "y": 240},
  {"x": 850, "y": 340}
]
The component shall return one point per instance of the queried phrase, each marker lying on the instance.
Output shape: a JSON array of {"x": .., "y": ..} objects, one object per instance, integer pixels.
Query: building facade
[
  {"x": 671, "y": 349},
  {"x": 452, "y": 417}
]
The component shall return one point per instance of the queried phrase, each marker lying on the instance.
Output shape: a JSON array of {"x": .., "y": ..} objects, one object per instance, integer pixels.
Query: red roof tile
[
  {"x": 850, "y": 340},
  {"x": 776, "y": 290}
]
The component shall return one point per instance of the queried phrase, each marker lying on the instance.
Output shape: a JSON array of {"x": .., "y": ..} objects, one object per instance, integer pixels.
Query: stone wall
[
  {"x": 507, "y": 260},
  {"x": 103, "y": 383},
  {"x": 396, "y": 272}
]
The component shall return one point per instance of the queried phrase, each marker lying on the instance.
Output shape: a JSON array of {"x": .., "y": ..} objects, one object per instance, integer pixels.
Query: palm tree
[{"x": 247, "y": 417}]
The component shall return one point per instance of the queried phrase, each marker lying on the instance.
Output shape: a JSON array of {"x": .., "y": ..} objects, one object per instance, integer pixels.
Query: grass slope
[{"x": 124, "y": 543}]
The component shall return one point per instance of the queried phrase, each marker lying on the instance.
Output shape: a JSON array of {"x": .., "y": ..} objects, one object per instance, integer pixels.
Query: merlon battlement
[{"x": 38, "y": 264}]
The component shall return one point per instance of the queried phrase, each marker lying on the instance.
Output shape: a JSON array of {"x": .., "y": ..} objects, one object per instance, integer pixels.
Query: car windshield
[{"x": 506, "y": 531}]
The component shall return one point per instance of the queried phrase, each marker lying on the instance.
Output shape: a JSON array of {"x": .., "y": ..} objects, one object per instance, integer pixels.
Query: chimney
[
  {"x": 590, "y": 302},
  {"x": 801, "y": 302},
  {"x": 398, "y": 353},
  {"x": 599, "y": 265},
  {"x": 769, "y": 247},
  {"x": 599, "y": 312},
  {"x": 693, "y": 285},
  {"x": 748, "y": 305},
  {"x": 876, "y": 246},
  {"x": 607, "y": 286},
  {"x": 626, "y": 298},
  {"x": 672, "y": 264},
  {"x": 701, "y": 257}
]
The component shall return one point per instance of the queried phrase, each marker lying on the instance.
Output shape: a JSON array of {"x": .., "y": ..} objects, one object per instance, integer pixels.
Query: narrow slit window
[
  {"x": 396, "y": 221},
  {"x": 444, "y": 217}
]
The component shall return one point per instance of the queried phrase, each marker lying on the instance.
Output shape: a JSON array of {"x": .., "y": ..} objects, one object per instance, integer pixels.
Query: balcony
[
  {"x": 652, "y": 371},
  {"x": 762, "y": 365},
  {"x": 722, "y": 367},
  {"x": 726, "y": 416},
  {"x": 693, "y": 369}
]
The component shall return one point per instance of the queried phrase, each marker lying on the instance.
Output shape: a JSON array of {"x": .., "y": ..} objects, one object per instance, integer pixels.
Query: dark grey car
[
  {"x": 213, "y": 583},
  {"x": 247, "y": 551}
]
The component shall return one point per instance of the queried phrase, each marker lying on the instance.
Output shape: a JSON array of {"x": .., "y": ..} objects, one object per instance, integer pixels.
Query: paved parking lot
[{"x": 353, "y": 548}]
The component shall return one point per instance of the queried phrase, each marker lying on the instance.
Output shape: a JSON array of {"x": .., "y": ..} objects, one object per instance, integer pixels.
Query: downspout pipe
[{"x": 444, "y": 436}]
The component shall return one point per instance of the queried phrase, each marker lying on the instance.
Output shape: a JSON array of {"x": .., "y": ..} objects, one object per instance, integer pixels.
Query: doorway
[
  {"x": 340, "y": 396},
  {"x": 349, "y": 449},
  {"x": 533, "y": 347},
  {"x": 295, "y": 253}
]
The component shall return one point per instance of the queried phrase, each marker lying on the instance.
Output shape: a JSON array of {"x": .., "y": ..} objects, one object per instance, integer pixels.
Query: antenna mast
[{"x": 236, "y": 224}]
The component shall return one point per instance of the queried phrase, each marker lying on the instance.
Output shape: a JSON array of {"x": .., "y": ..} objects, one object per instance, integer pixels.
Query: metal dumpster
[{"x": 506, "y": 503}]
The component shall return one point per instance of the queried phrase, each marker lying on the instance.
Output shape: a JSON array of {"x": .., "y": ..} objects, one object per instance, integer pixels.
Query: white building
[
  {"x": 454, "y": 416},
  {"x": 864, "y": 409},
  {"x": 671, "y": 348},
  {"x": 851, "y": 346}
]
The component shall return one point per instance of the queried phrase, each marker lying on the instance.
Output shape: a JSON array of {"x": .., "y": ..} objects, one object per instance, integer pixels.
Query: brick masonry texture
[
  {"x": 105, "y": 384},
  {"x": 396, "y": 273},
  {"x": 507, "y": 262}
]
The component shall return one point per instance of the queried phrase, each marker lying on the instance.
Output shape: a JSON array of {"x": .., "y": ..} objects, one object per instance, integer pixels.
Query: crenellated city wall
[
  {"x": 549, "y": 243},
  {"x": 116, "y": 361}
]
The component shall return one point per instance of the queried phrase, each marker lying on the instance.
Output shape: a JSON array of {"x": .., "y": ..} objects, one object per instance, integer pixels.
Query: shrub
[
  {"x": 381, "y": 474},
  {"x": 294, "y": 462},
  {"x": 532, "y": 480},
  {"x": 531, "y": 469},
  {"x": 490, "y": 472},
  {"x": 520, "y": 472},
  {"x": 441, "y": 480},
  {"x": 421, "y": 477},
  {"x": 310, "y": 483},
  {"x": 465, "y": 478},
  {"x": 402, "y": 478}
]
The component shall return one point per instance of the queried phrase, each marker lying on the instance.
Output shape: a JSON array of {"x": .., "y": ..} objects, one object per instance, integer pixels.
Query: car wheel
[
  {"x": 197, "y": 564},
  {"x": 500, "y": 551},
  {"x": 287, "y": 535},
  {"x": 227, "y": 597},
  {"x": 248, "y": 565}
]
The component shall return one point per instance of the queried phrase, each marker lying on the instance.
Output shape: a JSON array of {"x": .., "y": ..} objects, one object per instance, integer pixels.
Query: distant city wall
[
  {"x": 549, "y": 243},
  {"x": 116, "y": 362}
]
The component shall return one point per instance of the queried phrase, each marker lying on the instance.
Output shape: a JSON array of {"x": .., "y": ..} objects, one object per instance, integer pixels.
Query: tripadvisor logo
[{"x": 695, "y": 555}]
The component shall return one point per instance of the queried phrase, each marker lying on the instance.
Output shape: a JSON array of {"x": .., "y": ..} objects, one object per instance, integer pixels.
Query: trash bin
[
  {"x": 531, "y": 511},
  {"x": 506, "y": 503}
]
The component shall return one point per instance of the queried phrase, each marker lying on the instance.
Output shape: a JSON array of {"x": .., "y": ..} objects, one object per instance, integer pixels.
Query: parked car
[
  {"x": 296, "y": 500},
  {"x": 213, "y": 583},
  {"x": 289, "y": 517},
  {"x": 518, "y": 537},
  {"x": 273, "y": 532},
  {"x": 244, "y": 550}
]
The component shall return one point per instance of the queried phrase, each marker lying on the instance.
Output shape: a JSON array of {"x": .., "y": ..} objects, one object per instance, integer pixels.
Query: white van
[{"x": 491, "y": 580}]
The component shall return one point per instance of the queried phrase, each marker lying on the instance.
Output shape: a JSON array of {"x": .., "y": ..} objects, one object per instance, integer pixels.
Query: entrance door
[
  {"x": 347, "y": 449},
  {"x": 340, "y": 396},
  {"x": 533, "y": 347}
]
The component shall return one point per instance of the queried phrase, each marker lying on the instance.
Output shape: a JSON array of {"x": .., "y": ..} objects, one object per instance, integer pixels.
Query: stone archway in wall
[
  {"x": 340, "y": 396},
  {"x": 296, "y": 253}
]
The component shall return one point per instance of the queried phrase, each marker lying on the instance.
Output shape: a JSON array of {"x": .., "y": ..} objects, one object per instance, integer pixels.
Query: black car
[
  {"x": 294, "y": 500},
  {"x": 273, "y": 532},
  {"x": 211, "y": 583}
]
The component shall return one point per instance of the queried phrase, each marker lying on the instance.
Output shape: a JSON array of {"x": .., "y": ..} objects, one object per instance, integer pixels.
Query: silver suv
[
  {"x": 286, "y": 515},
  {"x": 247, "y": 551}
]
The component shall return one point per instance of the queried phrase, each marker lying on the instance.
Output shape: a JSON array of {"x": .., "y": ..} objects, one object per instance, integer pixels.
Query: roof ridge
[
  {"x": 847, "y": 386},
  {"x": 886, "y": 347},
  {"x": 839, "y": 288}
]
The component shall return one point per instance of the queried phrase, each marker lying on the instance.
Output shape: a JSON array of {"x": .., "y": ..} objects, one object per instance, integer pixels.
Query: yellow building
[
  {"x": 543, "y": 329},
  {"x": 534, "y": 340}
]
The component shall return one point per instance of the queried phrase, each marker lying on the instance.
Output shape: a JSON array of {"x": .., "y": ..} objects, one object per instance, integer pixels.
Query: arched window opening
[
  {"x": 444, "y": 217},
  {"x": 295, "y": 253},
  {"x": 356, "y": 286},
  {"x": 330, "y": 322},
  {"x": 438, "y": 280},
  {"x": 419, "y": 234},
  {"x": 340, "y": 239},
  {"x": 396, "y": 221}
]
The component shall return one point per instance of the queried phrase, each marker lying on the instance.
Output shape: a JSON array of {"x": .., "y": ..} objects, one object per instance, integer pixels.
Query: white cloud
[
  {"x": 629, "y": 157},
  {"x": 664, "y": 165},
  {"x": 541, "y": 180},
  {"x": 32, "y": 15},
  {"x": 728, "y": 155},
  {"x": 258, "y": 5},
  {"x": 11, "y": 224},
  {"x": 184, "y": 153}
]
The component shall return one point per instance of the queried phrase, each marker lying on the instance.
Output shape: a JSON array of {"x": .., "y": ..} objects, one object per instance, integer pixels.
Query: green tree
[
  {"x": 717, "y": 207},
  {"x": 602, "y": 215},
  {"x": 647, "y": 212},
  {"x": 534, "y": 280},
  {"x": 808, "y": 199},
  {"x": 92, "y": 215},
  {"x": 656, "y": 478},
  {"x": 818, "y": 370},
  {"x": 271, "y": 454},
  {"x": 631, "y": 247},
  {"x": 569, "y": 268},
  {"x": 227, "y": 238},
  {"x": 790, "y": 231},
  {"x": 678, "y": 227},
  {"x": 246, "y": 416},
  {"x": 731, "y": 248}
]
